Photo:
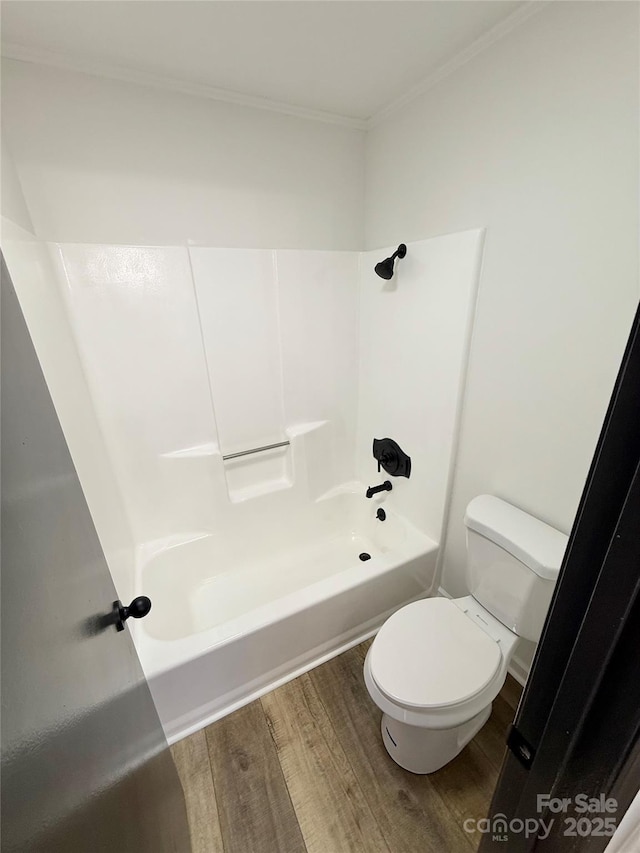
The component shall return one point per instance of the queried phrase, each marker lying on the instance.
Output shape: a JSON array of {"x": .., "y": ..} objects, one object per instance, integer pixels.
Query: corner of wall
[{"x": 14, "y": 206}]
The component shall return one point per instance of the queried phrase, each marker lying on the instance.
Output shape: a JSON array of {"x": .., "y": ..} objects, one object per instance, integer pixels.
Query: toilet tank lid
[{"x": 536, "y": 544}]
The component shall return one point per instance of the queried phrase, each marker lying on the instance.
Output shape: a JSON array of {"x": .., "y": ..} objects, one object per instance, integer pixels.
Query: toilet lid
[{"x": 429, "y": 654}]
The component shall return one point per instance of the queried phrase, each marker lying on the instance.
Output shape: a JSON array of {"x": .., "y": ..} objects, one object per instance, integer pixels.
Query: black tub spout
[{"x": 384, "y": 487}]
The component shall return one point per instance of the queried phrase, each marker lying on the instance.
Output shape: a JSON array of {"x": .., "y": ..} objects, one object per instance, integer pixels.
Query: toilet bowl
[
  {"x": 434, "y": 670},
  {"x": 436, "y": 665}
]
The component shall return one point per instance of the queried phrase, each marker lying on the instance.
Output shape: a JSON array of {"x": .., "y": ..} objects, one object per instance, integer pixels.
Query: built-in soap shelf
[
  {"x": 259, "y": 473},
  {"x": 252, "y": 472}
]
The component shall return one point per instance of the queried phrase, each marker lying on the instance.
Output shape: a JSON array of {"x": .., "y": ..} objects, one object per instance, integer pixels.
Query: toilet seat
[{"x": 430, "y": 655}]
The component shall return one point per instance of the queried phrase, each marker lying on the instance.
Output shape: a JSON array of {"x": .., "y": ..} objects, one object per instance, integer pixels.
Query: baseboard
[{"x": 519, "y": 671}]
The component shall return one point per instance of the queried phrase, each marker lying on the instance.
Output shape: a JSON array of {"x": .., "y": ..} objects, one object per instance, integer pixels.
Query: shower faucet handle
[
  {"x": 385, "y": 459},
  {"x": 391, "y": 457}
]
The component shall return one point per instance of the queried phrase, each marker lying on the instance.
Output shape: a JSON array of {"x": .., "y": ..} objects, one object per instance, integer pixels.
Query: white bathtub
[{"x": 239, "y": 612}]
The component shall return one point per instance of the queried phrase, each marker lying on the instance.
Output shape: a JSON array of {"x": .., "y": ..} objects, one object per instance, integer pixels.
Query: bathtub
[{"x": 238, "y": 612}]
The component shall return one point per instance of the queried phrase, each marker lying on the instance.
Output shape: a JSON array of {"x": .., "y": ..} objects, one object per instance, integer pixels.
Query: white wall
[
  {"x": 14, "y": 206},
  {"x": 536, "y": 139},
  {"x": 109, "y": 162}
]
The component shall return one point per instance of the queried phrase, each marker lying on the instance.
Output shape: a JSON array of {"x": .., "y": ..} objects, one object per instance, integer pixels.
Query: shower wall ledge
[{"x": 197, "y": 452}]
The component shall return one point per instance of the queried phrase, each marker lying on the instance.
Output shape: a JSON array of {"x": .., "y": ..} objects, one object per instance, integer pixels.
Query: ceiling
[{"x": 350, "y": 58}]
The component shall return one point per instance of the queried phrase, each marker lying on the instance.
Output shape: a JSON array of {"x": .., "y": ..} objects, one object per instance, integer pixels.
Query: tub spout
[{"x": 384, "y": 487}]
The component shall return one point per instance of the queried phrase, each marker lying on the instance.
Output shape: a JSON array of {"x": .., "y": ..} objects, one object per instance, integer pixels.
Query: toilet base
[{"x": 421, "y": 750}]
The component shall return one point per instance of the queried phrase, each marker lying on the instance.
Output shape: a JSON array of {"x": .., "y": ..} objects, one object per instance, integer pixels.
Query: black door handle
[{"x": 138, "y": 608}]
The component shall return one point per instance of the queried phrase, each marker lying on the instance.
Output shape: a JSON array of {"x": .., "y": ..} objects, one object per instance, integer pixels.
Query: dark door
[
  {"x": 85, "y": 765},
  {"x": 577, "y": 730}
]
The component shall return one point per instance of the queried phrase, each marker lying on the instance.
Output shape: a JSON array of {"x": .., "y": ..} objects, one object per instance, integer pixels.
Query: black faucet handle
[{"x": 391, "y": 457}]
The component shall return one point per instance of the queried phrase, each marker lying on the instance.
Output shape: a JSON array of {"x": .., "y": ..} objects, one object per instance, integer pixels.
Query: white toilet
[{"x": 437, "y": 664}]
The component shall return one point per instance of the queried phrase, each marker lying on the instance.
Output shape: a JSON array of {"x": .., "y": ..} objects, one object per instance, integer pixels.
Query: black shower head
[{"x": 385, "y": 268}]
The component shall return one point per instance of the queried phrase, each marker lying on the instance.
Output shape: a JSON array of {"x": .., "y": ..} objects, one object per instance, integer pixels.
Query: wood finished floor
[{"x": 304, "y": 769}]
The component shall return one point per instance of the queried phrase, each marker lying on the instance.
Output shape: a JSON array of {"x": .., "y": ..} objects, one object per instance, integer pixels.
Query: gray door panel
[{"x": 85, "y": 763}]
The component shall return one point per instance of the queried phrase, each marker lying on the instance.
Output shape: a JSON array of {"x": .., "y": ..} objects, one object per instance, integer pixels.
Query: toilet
[{"x": 436, "y": 665}]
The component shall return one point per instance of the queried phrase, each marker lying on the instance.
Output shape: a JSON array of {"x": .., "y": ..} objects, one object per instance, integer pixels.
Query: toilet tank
[{"x": 513, "y": 560}]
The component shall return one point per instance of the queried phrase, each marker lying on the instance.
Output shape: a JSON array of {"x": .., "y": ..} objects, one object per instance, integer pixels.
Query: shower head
[{"x": 385, "y": 268}]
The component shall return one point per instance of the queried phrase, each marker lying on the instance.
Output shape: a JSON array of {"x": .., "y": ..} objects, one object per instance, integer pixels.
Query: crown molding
[
  {"x": 40, "y": 56},
  {"x": 511, "y": 22}
]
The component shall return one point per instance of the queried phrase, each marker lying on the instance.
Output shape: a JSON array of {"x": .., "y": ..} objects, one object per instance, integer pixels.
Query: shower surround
[{"x": 252, "y": 561}]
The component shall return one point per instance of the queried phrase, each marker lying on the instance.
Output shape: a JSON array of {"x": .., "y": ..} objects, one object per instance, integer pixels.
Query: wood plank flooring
[{"x": 304, "y": 769}]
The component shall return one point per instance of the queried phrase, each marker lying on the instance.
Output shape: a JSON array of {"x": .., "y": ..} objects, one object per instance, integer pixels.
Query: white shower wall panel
[
  {"x": 414, "y": 337},
  {"x": 194, "y": 353},
  {"x": 237, "y": 298},
  {"x": 134, "y": 315},
  {"x": 280, "y": 335},
  {"x": 318, "y": 306},
  {"x": 190, "y": 354}
]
